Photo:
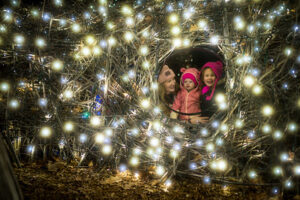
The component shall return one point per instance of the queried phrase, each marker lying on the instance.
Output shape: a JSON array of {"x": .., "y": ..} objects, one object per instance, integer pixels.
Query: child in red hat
[{"x": 188, "y": 98}]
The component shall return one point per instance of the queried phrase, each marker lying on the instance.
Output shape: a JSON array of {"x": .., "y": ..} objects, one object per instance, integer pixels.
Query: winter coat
[{"x": 188, "y": 102}]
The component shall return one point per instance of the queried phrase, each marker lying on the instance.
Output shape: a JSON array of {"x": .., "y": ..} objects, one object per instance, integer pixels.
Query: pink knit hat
[
  {"x": 165, "y": 74},
  {"x": 191, "y": 73},
  {"x": 217, "y": 68}
]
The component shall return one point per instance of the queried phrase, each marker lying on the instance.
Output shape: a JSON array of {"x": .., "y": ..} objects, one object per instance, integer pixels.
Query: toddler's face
[
  {"x": 209, "y": 77},
  {"x": 188, "y": 84}
]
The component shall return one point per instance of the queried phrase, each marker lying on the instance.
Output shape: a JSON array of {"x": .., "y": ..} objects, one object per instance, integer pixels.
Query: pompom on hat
[
  {"x": 191, "y": 73},
  {"x": 165, "y": 74}
]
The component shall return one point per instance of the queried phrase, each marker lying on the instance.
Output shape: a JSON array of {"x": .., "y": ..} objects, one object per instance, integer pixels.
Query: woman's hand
[{"x": 199, "y": 120}]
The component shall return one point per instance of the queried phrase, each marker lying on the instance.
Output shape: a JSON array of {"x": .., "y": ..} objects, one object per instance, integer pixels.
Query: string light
[
  {"x": 95, "y": 121},
  {"x": 128, "y": 36},
  {"x": 266, "y": 128},
  {"x": 277, "y": 171},
  {"x": 252, "y": 174},
  {"x": 292, "y": 127},
  {"x": 68, "y": 94},
  {"x": 175, "y": 30},
  {"x": 19, "y": 39},
  {"x": 106, "y": 149},
  {"x": 297, "y": 170},
  {"x": 173, "y": 18},
  {"x": 257, "y": 90},
  {"x": 40, "y": 42},
  {"x": 267, "y": 110},
  {"x": 160, "y": 170},
  {"x": 45, "y": 132},
  {"x": 249, "y": 81},
  {"x": 14, "y": 103},
  {"x": 4, "y": 86},
  {"x": 144, "y": 50},
  {"x": 69, "y": 126},
  {"x": 83, "y": 138},
  {"x": 57, "y": 65},
  {"x": 76, "y": 28}
]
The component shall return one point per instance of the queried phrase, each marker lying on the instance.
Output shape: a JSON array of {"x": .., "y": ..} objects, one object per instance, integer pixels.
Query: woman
[{"x": 167, "y": 89}]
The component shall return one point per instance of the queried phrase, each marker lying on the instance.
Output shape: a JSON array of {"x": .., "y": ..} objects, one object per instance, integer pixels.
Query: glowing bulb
[
  {"x": 85, "y": 51},
  {"x": 146, "y": 65},
  {"x": 214, "y": 40},
  {"x": 45, "y": 132},
  {"x": 173, "y": 153},
  {"x": 134, "y": 161},
  {"x": 2, "y": 29},
  {"x": 210, "y": 147},
  {"x": 69, "y": 126},
  {"x": 292, "y": 127},
  {"x": 284, "y": 157},
  {"x": 145, "y": 33},
  {"x": 156, "y": 125},
  {"x": 257, "y": 90},
  {"x": 108, "y": 132},
  {"x": 126, "y": 10},
  {"x": 112, "y": 41},
  {"x": 110, "y": 26},
  {"x": 221, "y": 165},
  {"x": 19, "y": 39},
  {"x": 154, "y": 142},
  {"x": 43, "y": 102},
  {"x": 154, "y": 86},
  {"x": 40, "y": 42},
  {"x": 62, "y": 22},
  {"x": 160, "y": 170},
  {"x": 224, "y": 127},
  {"x": 97, "y": 50},
  {"x": 106, "y": 149},
  {"x": 202, "y": 24},
  {"x": 129, "y": 21},
  {"x": 76, "y": 28},
  {"x": 249, "y": 81},
  {"x": 239, "y": 123},
  {"x": 186, "y": 42},
  {"x": 68, "y": 94},
  {"x": 144, "y": 50},
  {"x": 266, "y": 128},
  {"x": 168, "y": 183},
  {"x": 128, "y": 36},
  {"x": 95, "y": 121},
  {"x": 277, "y": 171},
  {"x": 297, "y": 170},
  {"x": 252, "y": 174},
  {"x": 288, "y": 184},
  {"x": 58, "y": 2},
  {"x": 57, "y": 65},
  {"x": 239, "y": 23},
  {"x": 4, "y": 87},
  {"x": 99, "y": 138},
  {"x": 90, "y": 40},
  {"x": 34, "y": 12},
  {"x": 7, "y": 17},
  {"x": 277, "y": 135},
  {"x": 14, "y": 103},
  {"x": 173, "y": 18},
  {"x": 288, "y": 51},
  {"x": 137, "y": 151},
  {"x": 145, "y": 103},
  {"x": 176, "y": 42},
  {"x": 83, "y": 138},
  {"x": 267, "y": 110},
  {"x": 250, "y": 28},
  {"x": 175, "y": 30},
  {"x": 220, "y": 98}
]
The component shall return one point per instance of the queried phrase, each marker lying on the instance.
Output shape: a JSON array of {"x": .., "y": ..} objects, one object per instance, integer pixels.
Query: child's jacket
[{"x": 188, "y": 102}]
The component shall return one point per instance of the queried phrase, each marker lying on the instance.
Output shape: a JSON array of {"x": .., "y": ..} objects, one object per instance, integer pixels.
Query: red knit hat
[{"x": 191, "y": 73}]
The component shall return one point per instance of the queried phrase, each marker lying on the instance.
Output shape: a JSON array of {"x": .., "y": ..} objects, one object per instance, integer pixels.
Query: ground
[{"x": 66, "y": 181}]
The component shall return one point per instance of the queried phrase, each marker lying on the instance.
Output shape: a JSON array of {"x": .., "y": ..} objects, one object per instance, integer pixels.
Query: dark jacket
[{"x": 209, "y": 107}]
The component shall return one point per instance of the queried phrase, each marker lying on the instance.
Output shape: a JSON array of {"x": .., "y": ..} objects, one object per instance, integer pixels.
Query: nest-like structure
[{"x": 262, "y": 43}]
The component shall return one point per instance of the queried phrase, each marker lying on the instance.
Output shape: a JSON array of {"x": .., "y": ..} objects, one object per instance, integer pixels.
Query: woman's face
[
  {"x": 170, "y": 86},
  {"x": 209, "y": 77}
]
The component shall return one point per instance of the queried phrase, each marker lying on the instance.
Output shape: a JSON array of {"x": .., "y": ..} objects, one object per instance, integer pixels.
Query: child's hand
[
  {"x": 199, "y": 120},
  {"x": 173, "y": 115}
]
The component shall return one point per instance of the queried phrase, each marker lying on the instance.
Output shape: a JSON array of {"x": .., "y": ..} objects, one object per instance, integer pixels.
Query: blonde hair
[{"x": 166, "y": 100}]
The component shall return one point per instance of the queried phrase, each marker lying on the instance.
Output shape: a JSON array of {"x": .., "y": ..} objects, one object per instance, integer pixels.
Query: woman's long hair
[{"x": 166, "y": 99}]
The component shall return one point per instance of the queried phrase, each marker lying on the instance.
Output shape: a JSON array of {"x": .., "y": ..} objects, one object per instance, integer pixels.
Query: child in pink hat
[
  {"x": 188, "y": 98},
  {"x": 211, "y": 73}
]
